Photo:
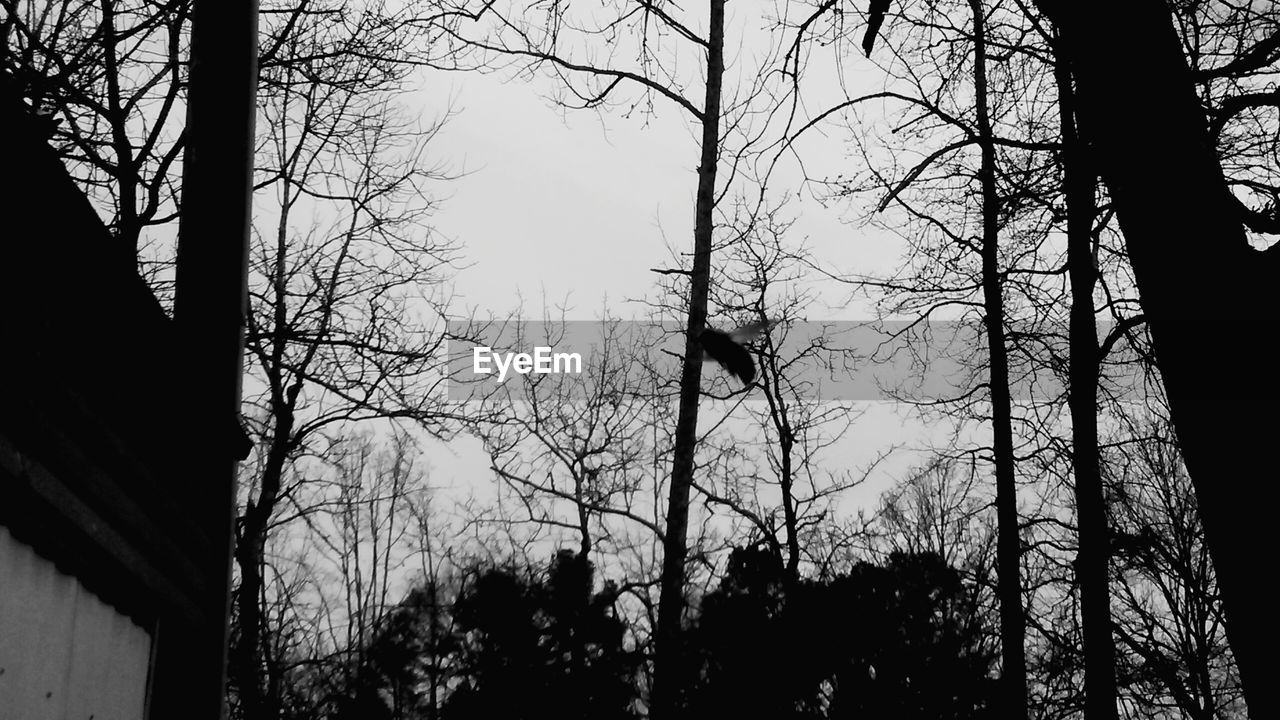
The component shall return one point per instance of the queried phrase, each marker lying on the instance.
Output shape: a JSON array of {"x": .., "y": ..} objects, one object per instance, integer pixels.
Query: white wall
[{"x": 64, "y": 654}]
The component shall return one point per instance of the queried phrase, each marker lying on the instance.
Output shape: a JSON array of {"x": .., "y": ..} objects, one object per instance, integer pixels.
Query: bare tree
[
  {"x": 1091, "y": 564},
  {"x": 770, "y": 467},
  {"x": 589, "y": 54},
  {"x": 109, "y": 78},
  {"x": 938, "y": 509},
  {"x": 975, "y": 240},
  {"x": 1139, "y": 108},
  {"x": 1169, "y": 618},
  {"x": 345, "y": 323},
  {"x": 1013, "y": 672},
  {"x": 358, "y": 563},
  {"x": 579, "y": 452}
]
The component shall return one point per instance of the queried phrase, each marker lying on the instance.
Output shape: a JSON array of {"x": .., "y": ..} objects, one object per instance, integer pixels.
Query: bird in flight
[
  {"x": 729, "y": 349},
  {"x": 875, "y": 18}
]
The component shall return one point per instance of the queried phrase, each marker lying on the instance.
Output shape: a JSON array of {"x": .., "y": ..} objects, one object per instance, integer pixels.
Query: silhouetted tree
[
  {"x": 902, "y": 639},
  {"x": 549, "y": 648},
  {"x": 1169, "y": 622},
  {"x": 343, "y": 267},
  {"x": 1091, "y": 564},
  {"x": 920, "y": 631},
  {"x": 742, "y": 659},
  {"x": 779, "y": 483},
  {"x": 392, "y": 679},
  {"x": 110, "y": 79},
  {"x": 1008, "y": 531},
  {"x": 1140, "y": 110},
  {"x": 649, "y": 47}
]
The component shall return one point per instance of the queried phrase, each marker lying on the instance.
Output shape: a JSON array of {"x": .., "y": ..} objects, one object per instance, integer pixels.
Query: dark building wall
[{"x": 94, "y": 460}]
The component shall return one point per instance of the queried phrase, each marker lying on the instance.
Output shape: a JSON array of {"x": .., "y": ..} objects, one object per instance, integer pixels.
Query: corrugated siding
[{"x": 64, "y": 654}]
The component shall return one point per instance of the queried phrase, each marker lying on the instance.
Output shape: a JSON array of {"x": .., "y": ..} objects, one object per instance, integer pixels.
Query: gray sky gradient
[{"x": 576, "y": 206}]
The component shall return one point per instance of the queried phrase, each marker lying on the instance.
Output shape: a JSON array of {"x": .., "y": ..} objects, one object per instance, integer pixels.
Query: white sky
[{"x": 576, "y": 205}]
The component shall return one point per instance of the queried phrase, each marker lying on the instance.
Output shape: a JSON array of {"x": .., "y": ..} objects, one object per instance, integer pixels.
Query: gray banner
[{"x": 823, "y": 361}]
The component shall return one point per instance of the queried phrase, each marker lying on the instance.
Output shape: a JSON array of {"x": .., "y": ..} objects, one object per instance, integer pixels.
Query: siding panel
[{"x": 64, "y": 654}]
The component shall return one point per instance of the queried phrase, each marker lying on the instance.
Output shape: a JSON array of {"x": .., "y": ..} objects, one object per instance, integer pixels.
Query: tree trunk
[
  {"x": 786, "y": 474},
  {"x": 1092, "y": 575},
  {"x": 255, "y": 702},
  {"x": 126, "y": 227},
  {"x": 1008, "y": 545},
  {"x": 665, "y": 701},
  {"x": 1204, "y": 291}
]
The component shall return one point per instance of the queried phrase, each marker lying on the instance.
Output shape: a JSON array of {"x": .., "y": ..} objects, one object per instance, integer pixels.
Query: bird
[
  {"x": 728, "y": 349},
  {"x": 875, "y": 18}
]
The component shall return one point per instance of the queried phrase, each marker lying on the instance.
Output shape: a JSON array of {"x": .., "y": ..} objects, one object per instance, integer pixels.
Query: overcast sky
[{"x": 577, "y": 205}]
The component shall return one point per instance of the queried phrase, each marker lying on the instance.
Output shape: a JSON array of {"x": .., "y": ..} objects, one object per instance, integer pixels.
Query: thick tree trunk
[
  {"x": 665, "y": 701},
  {"x": 1204, "y": 290},
  {"x": 1013, "y": 677},
  {"x": 1092, "y": 575},
  {"x": 256, "y": 702}
]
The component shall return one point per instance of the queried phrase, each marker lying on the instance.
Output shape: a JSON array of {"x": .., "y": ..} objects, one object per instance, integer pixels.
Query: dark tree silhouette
[
  {"x": 388, "y": 681},
  {"x": 903, "y": 639},
  {"x": 1091, "y": 568},
  {"x": 742, "y": 658},
  {"x": 1013, "y": 621},
  {"x": 1205, "y": 291},
  {"x": 341, "y": 271},
  {"x": 109, "y": 81},
  {"x": 541, "y": 648}
]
